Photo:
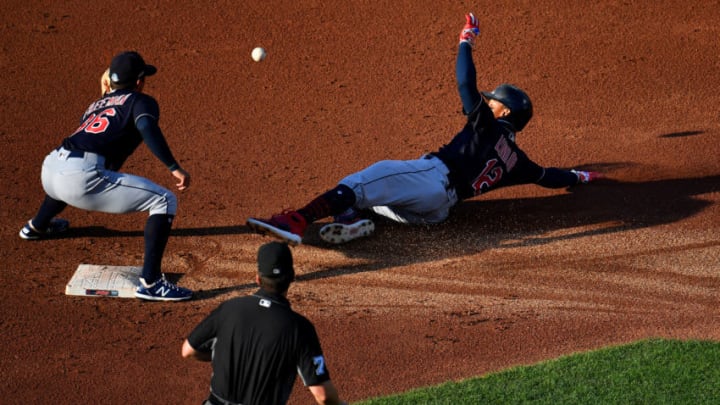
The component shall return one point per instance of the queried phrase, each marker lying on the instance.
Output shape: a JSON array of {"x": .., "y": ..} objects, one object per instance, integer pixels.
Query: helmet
[{"x": 516, "y": 101}]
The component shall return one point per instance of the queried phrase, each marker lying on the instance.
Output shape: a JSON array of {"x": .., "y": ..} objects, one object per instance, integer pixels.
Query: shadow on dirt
[
  {"x": 102, "y": 232},
  {"x": 475, "y": 225},
  {"x": 605, "y": 207},
  {"x": 216, "y": 292},
  {"x": 681, "y": 134}
]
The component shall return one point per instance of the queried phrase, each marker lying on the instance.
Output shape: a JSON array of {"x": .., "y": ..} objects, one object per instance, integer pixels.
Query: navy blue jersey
[
  {"x": 483, "y": 156},
  {"x": 109, "y": 127}
]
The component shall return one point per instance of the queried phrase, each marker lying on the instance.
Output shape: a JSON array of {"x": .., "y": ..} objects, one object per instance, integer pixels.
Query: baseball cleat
[
  {"x": 288, "y": 226},
  {"x": 162, "y": 290},
  {"x": 338, "y": 233},
  {"x": 57, "y": 226}
]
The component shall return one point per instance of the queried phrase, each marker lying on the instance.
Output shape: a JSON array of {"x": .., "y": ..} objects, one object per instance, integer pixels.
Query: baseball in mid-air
[{"x": 258, "y": 54}]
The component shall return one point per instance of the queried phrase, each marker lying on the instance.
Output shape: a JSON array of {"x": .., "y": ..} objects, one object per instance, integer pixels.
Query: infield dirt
[{"x": 518, "y": 276}]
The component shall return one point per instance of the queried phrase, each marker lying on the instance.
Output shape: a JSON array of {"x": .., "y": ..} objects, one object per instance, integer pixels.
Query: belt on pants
[
  {"x": 216, "y": 400},
  {"x": 72, "y": 153},
  {"x": 454, "y": 180}
]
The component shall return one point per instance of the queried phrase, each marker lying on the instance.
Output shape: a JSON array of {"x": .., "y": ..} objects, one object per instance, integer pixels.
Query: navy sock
[
  {"x": 49, "y": 208},
  {"x": 332, "y": 202},
  {"x": 157, "y": 233}
]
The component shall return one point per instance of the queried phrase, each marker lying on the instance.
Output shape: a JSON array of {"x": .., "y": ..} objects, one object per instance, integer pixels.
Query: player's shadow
[
  {"x": 475, "y": 225},
  {"x": 604, "y": 207},
  {"x": 220, "y": 291},
  {"x": 103, "y": 232}
]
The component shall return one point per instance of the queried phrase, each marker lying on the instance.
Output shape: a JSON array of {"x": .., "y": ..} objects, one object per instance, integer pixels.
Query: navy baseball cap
[
  {"x": 129, "y": 66},
  {"x": 275, "y": 261}
]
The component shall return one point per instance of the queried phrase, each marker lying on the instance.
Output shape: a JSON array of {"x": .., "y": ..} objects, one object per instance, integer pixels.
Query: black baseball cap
[
  {"x": 129, "y": 66},
  {"x": 275, "y": 261}
]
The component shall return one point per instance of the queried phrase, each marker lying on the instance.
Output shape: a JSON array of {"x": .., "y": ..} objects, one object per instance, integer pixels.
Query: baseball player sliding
[
  {"x": 84, "y": 170},
  {"x": 482, "y": 157}
]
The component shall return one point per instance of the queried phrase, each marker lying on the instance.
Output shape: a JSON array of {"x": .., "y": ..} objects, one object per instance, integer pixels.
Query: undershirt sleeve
[
  {"x": 154, "y": 139},
  {"x": 557, "y": 178},
  {"x": 146, "y": 113},
  {"x": 465, "y": 75}
]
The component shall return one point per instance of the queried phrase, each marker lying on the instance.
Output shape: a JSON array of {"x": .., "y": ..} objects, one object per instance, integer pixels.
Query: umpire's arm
[
  {"x": 326, "y": 394},
  {"x": 189, "y": 352}
]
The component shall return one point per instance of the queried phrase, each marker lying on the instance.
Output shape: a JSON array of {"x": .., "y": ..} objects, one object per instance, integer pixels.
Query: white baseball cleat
[{"x": 338, "y": 232}]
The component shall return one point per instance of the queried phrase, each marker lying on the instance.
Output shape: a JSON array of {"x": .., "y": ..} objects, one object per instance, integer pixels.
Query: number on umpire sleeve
[{"x": 319, "y": 362}]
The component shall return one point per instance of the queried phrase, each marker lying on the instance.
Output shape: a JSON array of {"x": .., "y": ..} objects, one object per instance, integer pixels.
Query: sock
[
  {"x": 332, "y": 202},
  {"x": 49, "y": 208},
  {"x": 157, "y": 233}
]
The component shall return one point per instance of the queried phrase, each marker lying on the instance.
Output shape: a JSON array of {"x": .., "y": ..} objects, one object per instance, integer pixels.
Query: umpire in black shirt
[{"x": 257, "y": 343}]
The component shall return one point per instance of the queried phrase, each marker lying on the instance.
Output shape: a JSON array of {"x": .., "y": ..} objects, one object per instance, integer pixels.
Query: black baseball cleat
[{"x": 57, "y": 226}]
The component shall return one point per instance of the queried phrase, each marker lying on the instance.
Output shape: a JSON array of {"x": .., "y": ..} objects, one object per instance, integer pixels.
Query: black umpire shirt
[{"x": 258, "y": 344}]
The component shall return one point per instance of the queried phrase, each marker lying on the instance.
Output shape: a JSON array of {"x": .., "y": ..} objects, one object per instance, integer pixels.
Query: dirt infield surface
[{"x": 518, "y": 276}]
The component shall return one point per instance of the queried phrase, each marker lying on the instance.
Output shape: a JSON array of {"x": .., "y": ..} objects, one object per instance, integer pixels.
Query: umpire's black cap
[
  {"x": 129, "y": 66},
  {"x": 275, "y": 261}
]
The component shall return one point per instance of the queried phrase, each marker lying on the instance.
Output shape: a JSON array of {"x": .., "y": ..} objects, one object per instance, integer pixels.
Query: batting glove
[
  {"x": 470, "y": 30},
  {"x": 586, "y": 177}
]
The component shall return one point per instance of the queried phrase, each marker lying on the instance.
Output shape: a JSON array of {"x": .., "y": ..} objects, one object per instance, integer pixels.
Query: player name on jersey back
[{"x": 108, "y": 102}]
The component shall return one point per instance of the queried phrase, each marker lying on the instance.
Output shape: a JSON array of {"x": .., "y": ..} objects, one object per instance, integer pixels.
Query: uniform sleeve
[
  {"x": 465, "y": 75},
  {"x": 557, "y": 178},
  {"x": 525, "y": 171},
  {"x": 311, "y": 361},
  {"x": 528, "y": 171},
  {"x": 146, "y": 114},
  {"x": 204, "y": 334}
]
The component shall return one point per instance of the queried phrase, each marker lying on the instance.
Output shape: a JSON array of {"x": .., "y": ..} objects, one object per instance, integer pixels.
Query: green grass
[{"x": 647, "y": 372}]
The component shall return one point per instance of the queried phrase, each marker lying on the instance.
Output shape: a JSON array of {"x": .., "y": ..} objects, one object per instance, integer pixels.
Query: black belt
[
  {"x": 216, "y": 400},
  {"x": 456, "y": 182},
  {"x": 73, "y": 153}
]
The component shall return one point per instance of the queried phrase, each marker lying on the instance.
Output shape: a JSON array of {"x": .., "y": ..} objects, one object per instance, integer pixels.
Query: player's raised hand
[
  {"x": 470, "y": 30},
  {"x": 587, "y": 177}
]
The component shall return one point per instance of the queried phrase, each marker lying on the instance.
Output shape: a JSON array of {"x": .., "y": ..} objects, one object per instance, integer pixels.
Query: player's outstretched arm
[
  {"x": 558, "y": 178},
  {"x": 465, "y": 73}
]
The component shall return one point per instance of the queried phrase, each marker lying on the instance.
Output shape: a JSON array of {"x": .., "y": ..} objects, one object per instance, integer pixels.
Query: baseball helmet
[{"x": 516, "y": 101}]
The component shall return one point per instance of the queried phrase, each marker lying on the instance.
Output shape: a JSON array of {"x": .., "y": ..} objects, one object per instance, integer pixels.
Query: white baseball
[{"x": 258, "y": 54}]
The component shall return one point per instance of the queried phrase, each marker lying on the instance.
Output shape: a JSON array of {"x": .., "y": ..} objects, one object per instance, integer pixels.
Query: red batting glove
[
  {"x": 470, "y": 30},
  {"x": 587, "y": 177}
]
